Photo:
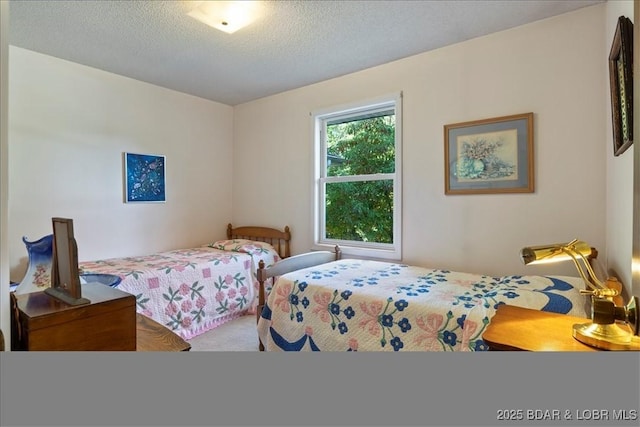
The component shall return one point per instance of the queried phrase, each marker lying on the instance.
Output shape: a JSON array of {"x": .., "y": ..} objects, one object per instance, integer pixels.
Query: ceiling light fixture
[{"x": 227, "y": 16}]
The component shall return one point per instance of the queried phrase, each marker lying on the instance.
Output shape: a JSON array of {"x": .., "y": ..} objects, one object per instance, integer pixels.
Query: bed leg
[
  {"x": 260, "y": 273},
  {"x": 260, "y": 307}
]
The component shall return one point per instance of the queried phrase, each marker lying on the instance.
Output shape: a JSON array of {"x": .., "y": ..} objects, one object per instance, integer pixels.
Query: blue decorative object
[
  {"x": 145, "y": 178},
  {"x": 104, "y": 279},
  {"x": 38, "y": 275}
]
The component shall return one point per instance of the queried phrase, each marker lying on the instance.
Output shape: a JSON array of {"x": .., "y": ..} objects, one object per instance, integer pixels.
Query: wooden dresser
[
  {"x": 39, "y": 322},
  {"x": 42, "y": 323}
]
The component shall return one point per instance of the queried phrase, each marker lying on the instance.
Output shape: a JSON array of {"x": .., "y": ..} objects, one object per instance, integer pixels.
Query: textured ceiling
[{"x": 293, "y": 44}]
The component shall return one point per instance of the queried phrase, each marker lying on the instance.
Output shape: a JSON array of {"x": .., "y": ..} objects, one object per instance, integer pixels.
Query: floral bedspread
[
  {"x": 359, "y": 305},
  {"x": 191, "y": 290}
]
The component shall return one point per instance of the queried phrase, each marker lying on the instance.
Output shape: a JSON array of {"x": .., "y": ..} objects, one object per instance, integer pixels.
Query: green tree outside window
[{"x": 361, "y": 210}]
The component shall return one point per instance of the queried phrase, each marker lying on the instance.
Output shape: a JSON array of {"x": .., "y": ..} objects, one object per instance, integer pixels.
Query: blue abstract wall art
[{"x": 144, "y": 178}]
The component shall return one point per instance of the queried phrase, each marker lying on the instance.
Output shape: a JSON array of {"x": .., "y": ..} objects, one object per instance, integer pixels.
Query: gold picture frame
[
  {"x": 621, "y": 85},
  {"x": 489, "y": 156}
]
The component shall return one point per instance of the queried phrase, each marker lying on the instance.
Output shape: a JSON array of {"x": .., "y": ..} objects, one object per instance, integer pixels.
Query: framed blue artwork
[{"x": 144, "y": 178}]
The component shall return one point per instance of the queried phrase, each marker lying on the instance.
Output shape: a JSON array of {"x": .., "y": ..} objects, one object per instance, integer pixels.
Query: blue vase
[{"x": 38, "y": 275}]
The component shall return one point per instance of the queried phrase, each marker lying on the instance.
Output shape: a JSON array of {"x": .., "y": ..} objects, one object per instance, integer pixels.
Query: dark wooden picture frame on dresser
[{"x": 65, "y": 278}]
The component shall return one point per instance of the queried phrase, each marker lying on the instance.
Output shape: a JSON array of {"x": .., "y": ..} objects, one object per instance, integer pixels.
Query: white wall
[
  {"x": 68, "y": 127},
  {"x": 553, "y": 68},
  {"x": 619, "y": 173},
  {"x": 5, "y": 324},
  {"x": 635, "y": 259}
]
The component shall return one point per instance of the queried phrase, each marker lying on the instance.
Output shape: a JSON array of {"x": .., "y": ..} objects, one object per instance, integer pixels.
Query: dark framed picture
[
  {"x": 144, "y": 176},
  {"x": 489, "y": 156},
  {"x": 621, "y": 83}
]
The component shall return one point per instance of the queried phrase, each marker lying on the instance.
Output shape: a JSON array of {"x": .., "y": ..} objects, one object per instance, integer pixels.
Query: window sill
[{"x": 360, "y": 252}]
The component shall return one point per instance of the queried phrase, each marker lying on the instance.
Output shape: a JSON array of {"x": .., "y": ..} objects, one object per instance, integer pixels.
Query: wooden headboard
[{"x": 279, "y": 239}]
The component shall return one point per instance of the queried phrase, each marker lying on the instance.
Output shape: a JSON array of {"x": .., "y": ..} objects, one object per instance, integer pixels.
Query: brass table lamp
[{"x": 612, "y": 327}]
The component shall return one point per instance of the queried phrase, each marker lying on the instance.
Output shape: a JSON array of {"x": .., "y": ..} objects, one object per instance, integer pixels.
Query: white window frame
[{"x": 391, "y": 251}]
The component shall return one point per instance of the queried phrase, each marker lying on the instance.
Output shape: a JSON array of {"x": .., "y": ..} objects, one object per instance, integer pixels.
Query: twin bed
[
  {"x": 328, "y": 304},
  {"x": 194, "y": 290}
]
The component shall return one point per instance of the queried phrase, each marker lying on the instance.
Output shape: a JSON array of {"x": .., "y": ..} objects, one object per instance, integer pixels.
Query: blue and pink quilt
[{"x": 363, "y": 305}]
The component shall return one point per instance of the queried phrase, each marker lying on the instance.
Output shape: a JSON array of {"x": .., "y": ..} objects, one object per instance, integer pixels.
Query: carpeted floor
[{"x": 236, "y": 335}]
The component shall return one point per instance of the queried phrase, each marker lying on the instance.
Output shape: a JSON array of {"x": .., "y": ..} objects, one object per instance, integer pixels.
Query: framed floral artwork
[
  {"x": 144, "y": 176},
  {"x": 489, "y": 156},
  {"x": 621, "y": 85}
]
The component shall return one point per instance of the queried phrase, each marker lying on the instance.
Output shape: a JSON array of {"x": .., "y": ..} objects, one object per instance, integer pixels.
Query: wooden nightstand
[{"x": 514, "y": 328}]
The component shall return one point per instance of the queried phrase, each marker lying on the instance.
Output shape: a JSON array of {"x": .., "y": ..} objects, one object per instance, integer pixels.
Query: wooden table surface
[
  {"x": 152, "y": 336},
  {"x": 517, "y": 328}
]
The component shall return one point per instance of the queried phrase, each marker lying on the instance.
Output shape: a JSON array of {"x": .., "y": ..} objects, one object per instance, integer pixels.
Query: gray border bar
[{"x": 313, "y": 389}]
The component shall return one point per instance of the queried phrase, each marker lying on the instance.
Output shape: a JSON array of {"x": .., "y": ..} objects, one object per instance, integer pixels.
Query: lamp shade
[{"x": 555, "y": 252}]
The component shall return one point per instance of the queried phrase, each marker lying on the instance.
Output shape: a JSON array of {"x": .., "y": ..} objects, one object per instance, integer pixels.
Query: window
[{"x": 357, "y": 178}]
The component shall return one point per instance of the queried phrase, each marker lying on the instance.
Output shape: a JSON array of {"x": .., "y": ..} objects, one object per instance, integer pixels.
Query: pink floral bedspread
[
  {"x": 191, "y": 290},
  {"x": 360, "y": 305}
]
